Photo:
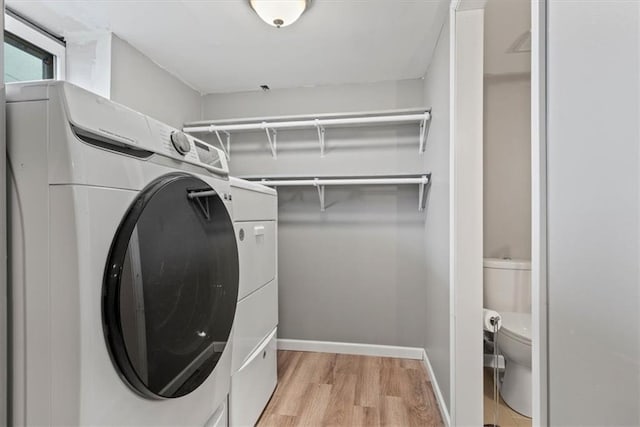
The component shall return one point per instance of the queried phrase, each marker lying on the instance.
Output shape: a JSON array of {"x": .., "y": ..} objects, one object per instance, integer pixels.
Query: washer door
[{"x": 170, "y": 287}]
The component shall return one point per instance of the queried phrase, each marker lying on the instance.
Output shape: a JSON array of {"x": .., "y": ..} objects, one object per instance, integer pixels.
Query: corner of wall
[
  {"x": 105, "y": 64},
  {"x": 140, "y": 83},
  {"x": 88, "y": 61},
  {"x": 442, "y": 404},
  {"x": 437, "y": 221}
]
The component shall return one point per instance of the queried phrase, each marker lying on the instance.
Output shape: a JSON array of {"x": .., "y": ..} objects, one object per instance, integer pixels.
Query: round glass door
[{"x": 170, "y": 287}]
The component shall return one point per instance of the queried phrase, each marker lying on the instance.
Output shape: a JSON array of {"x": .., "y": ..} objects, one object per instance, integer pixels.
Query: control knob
[{"x": 180, "y": 142}]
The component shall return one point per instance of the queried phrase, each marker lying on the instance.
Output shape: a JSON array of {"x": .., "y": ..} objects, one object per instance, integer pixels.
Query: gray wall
[
  {"x": 141, "y": 84},
  {"x": 313, "y": 100},
  {"x": 354, "y": 273},
  {"x": 507, "y": 166},
  {"x": 436, "y": 232},
  {"x": 594, "y": 212}
]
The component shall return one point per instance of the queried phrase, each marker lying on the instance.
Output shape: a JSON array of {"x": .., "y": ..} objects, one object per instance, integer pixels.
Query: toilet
[{"x": 507, "y": 290}]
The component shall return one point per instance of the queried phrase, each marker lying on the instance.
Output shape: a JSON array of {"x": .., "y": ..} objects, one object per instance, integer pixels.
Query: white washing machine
[{"x": 124, "y": 265}]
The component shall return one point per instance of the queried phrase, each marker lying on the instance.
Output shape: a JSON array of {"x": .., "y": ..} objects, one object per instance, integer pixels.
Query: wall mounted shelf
[
  {"x": 271, "y": 125},
  {"x": 321, "y": 182}
]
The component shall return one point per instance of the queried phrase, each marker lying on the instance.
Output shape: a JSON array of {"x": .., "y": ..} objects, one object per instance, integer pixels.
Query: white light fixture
[{"x": 279, "y": 13}]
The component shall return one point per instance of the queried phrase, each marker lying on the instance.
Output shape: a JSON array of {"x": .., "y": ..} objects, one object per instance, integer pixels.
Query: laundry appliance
[
  {"x": 254, "y": 373},
  {"x": 124, "y": 265}
]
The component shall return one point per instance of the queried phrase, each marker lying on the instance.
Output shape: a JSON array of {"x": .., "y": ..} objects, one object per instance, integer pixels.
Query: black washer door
[{"x": 171, "y": 287}]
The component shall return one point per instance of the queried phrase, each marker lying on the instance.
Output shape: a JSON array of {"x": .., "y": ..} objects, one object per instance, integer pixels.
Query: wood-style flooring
[
  {"x": 323, "y": 389},
  {"x": 507, "y": 417}
]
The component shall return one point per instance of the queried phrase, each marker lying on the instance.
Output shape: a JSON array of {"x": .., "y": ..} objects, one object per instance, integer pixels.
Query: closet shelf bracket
[
  {"x": 321, "y": 133},
  {"x": 424, "y": 130},
  {"x": 227, "y": 148},
  {"x": 422, "y": 194},
  {"x": 202, "y": 199},
  {"x": 320, "y": 194},
  {"x": 272, "y": 136}
]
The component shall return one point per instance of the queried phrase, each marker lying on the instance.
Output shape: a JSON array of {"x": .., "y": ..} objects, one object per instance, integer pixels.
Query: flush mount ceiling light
[{"x": 279, "y": 13}]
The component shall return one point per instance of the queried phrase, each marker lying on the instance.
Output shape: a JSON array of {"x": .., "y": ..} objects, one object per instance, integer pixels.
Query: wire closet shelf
[
  {"x": 319, "y": 122},
  {"x": 421, "y": 180}
]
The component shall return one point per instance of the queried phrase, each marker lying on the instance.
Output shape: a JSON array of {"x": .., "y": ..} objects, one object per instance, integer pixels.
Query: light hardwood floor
[
  {"x": 323, "y": 389},
  {"x": 507, "y": 417}
]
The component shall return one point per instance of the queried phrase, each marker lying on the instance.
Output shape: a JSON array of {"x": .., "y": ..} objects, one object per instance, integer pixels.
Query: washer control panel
[
  {"x": 129, "y": 128},
  {"x": 178, "y": 144}
]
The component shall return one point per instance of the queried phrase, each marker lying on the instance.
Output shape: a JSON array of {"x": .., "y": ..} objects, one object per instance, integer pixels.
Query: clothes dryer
[{"x": 254, "y": 369}]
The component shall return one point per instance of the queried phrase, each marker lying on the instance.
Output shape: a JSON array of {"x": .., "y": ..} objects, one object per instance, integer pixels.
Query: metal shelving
[
  {"x": 321, "y": 182},
  {"x": 320, "y": 122}
]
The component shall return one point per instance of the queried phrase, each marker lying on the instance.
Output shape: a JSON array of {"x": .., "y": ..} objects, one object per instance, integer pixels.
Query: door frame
[
  {"x": 3, "y": 236},
  {"x": 466, "y": 372},
  {"x": 539, "y": 213},
  {"x": 466, "y": 199}
]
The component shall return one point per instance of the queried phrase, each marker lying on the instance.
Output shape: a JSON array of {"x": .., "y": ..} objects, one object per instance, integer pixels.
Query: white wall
[
  {"x": 354, "y": 273},
  {"x": 593, "y": 56},
  {"x": 507, "y": 166},
  {"x": 139, "y": 83},
  {"x": 436, "y": 232},
  {"x": 88, "y": 56}
]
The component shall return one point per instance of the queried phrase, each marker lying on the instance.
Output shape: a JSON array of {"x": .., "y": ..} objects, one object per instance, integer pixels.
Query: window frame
[{"x": 41, "y": 40}]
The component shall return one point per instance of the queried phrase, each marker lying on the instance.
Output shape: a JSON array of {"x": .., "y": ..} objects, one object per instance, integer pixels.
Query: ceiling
[{"x": 222, "y": 45}]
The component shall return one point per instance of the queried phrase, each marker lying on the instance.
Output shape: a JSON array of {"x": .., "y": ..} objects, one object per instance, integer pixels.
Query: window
[
  {"x": 25, "y": 61},
  {"x": 31, "y": 54}
]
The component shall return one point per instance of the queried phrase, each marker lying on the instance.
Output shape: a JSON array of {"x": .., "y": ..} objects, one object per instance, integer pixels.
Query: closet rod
[
  {"x": 320, "y": 183},
  {"x": 404, "y": 118},
  {"x": 309, "y": 116},
  {"x": 423, "y": 179}
]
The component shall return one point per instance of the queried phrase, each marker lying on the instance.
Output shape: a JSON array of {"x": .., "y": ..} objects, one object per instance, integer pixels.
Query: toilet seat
[{"x": 517, "y": 326}]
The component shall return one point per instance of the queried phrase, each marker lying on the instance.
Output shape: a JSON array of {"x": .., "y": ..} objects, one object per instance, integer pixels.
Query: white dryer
[
  {"x": 254, "y": 368},
  {"x": 124, "y": 265}
]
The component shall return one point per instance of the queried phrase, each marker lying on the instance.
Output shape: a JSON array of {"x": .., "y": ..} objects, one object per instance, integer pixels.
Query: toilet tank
[{"x": 507, "y": 285}]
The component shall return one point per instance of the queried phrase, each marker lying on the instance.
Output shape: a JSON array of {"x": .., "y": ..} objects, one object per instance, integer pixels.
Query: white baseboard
[
  {"x": 446, "y": 418},
  {"x": 351, "y": 348}
]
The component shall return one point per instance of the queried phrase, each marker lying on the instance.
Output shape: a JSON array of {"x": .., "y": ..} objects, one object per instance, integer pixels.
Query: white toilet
[{"x": 507, "y": 290}]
